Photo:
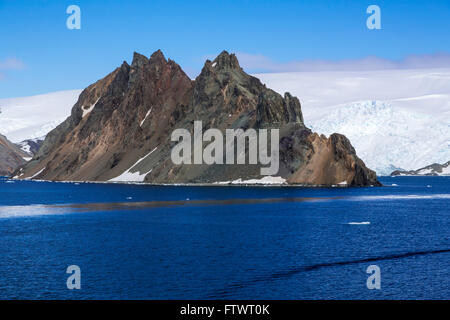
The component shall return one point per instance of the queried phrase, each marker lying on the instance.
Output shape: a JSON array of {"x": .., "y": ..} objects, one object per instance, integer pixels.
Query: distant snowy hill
[
  {"x": 395, "y": 119},
  {"x": 31, "y": 146},
  {"x": 434, "y": 169},
  {"x": 33, "y": 117}
]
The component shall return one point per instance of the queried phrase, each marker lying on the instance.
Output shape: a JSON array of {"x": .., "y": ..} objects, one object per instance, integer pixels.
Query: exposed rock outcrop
[
  {"x": 120, "y": 128},
  {"x": 31, "y": 146},
  {"x": 11, "y": 156}
]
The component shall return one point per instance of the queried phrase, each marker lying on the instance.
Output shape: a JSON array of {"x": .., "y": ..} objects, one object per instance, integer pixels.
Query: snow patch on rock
[
  {"x": 37, "y": 173},
  {"x": 146, "y": 116},
  {"x": 129, "y": 176},
  {"x": 446, "y": 170},
  {"x": 88, "y": 110},
  {"x": 265, "y": 181}
]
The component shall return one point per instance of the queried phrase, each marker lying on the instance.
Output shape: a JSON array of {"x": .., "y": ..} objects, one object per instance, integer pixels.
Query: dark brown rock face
[
  {"x": 121, "y": 128},
  {"x": 11, "y": 157}
]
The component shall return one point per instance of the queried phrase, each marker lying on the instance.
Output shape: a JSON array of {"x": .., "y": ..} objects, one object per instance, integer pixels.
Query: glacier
[
  {"x": 395, "y": 119},
  {"x": 387, "y": 137},
  {"x": 33, "y": 117}
]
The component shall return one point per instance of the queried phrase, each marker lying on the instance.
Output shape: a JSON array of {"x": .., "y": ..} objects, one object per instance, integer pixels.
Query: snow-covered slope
[
  {"x": 395, "y": 119},
  {"x": 33, "y": 117},
  {"x": 387, "y": 137}
]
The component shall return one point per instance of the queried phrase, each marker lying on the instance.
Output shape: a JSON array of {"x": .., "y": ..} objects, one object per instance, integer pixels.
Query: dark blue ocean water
[{"x": 162, "y": 243}]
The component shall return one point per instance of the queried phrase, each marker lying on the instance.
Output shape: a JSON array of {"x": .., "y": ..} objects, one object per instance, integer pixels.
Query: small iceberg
[{"x": 359, "y": 223}]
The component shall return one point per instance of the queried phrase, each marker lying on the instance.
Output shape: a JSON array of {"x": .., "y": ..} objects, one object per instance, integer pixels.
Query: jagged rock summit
[{"x": 120, "y": 129}]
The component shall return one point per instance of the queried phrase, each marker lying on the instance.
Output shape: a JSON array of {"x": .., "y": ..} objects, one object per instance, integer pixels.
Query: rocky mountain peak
[
  {"x": 139, "y": 60},
  {"x": 224, "y": 85},
  {"x": 226, "y": 60},
  {"x": 143, "y": 65},
  {"x": 158, "y": 58}
]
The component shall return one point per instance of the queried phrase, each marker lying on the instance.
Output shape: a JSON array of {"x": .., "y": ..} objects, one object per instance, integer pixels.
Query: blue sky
[{"x": 38, "y": 54}]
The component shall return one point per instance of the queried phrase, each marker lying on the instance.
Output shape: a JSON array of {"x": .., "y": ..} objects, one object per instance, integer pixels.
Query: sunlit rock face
[
  {"x": 11, "y": 157},
  {"x": 120, "y": 129}
]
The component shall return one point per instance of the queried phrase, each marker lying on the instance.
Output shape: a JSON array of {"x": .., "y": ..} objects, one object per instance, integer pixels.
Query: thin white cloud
[
  {"x": 261, "y": 63},
  {"x": 11, "y": 64}
]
